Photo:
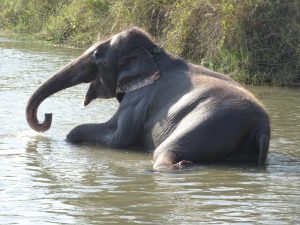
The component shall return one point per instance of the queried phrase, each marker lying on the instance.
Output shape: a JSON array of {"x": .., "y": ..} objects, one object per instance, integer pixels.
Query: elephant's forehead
[
  {"x": 93, "y": 47},
  {"x": 116, "y": 38}
]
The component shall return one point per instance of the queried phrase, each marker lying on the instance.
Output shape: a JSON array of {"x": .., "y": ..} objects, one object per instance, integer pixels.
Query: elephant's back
[
  {"x": 224, "y": 93},
  {"x": 207, "y": 97}
]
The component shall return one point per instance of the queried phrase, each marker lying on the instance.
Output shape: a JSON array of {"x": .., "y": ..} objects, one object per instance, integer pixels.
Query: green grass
[{"x": 254, "y": 41}]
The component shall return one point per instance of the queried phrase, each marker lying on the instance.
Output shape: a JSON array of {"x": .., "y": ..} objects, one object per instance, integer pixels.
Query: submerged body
[{"x": 182, "y": 112}]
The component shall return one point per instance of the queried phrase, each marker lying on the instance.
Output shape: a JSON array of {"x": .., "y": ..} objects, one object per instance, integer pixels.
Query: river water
[{"x": 45, "y": 180}]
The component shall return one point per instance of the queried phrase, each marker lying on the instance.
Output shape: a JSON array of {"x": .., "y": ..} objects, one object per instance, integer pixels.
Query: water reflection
[
  {"x": 45, "y": 180},
  {"x": 284, "y": 106}
]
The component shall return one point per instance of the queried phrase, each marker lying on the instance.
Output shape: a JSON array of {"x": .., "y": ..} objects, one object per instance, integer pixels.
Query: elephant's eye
[{"x": 97, "y": 56}]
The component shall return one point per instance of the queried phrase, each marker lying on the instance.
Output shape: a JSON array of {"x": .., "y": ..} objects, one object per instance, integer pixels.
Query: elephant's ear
[{"x": 137, "y": 70}]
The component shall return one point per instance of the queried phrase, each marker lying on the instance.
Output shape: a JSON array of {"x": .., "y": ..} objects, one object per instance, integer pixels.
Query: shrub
[{"x": 254, "y": 41}]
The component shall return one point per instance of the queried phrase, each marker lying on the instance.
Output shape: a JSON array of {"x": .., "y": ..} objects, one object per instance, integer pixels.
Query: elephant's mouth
[
  {"x": 120, "y": 96},
  {"x": 97, "y": 89},
  {"x": 90, "y": 95}
]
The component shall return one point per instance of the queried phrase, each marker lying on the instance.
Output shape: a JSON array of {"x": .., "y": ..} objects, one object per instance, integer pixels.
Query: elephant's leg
[
  {"x": 168, "y": 156},
  {"x": 92, "y": 134},
  {"x": 200, "y": 139},
  {"x": 167, "y": 160},
  {"x": 121, "y": 131}
]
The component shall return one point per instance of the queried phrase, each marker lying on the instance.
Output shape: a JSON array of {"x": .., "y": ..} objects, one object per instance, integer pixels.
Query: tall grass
[{"x": 254, "y": 41}]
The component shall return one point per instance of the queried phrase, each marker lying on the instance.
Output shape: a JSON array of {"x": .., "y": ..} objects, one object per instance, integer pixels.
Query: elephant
[{"x": 185, "y": 114}]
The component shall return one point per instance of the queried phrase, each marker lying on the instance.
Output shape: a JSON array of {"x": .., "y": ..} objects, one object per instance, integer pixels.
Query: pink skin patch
[{"x": 183, "y": 163}]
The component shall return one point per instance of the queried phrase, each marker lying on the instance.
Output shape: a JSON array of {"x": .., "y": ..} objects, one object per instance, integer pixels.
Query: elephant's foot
[
  {"x": 183, "y": 164},
  {"x": 74, "y": 136},
  {"x": 165, "y": 162},
  {"x": 169, "y": 167}
]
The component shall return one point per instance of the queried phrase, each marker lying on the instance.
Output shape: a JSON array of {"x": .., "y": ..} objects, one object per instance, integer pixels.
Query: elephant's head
[{"x": 118, "y": 65}]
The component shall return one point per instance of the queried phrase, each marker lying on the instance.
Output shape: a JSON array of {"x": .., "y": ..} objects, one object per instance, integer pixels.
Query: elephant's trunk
[
  {"x": 71, "y": 75},
  {"x": 31, "y": 112}
]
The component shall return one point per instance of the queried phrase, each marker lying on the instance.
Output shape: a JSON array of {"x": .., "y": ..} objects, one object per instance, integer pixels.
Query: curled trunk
[
  {"x": 67, "y": 77},
  {"x": 31, "y": 112}
]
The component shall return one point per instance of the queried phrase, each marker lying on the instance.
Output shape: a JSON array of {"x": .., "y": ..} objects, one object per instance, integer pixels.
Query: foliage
[
  {"x": 254, "y": 41},
  {"x": 27, "y": 16},
  {"x": 78, "y": 23}
]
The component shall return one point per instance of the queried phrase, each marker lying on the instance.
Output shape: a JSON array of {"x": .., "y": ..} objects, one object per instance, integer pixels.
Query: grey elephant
[{"x": 182, "y": 112}]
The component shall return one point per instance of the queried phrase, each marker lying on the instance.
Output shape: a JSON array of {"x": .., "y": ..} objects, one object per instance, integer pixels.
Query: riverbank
[{"x": 254, "y": 41}]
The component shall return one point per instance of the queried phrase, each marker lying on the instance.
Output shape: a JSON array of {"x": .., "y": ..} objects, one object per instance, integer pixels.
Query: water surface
[{"x": 45, "y": 180}]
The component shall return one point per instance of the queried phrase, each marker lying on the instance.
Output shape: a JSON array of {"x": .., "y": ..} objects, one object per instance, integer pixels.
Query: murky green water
[{"x": 44, "y": 180}]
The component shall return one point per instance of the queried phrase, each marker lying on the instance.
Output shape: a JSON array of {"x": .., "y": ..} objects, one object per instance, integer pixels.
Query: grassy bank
[{"x": 254, "y": 41}]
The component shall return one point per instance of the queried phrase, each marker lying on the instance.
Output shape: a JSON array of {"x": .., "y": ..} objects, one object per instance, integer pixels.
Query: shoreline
[
  {"x": 33, "y": 38},
  {"x": 240, "y": 39}
]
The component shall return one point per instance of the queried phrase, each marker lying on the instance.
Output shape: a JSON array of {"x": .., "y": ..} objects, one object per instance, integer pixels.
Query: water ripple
[{"x": 45, "y": 180}]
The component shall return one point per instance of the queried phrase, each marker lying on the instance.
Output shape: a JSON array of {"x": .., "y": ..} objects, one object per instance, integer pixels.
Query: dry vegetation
[{"x": 254, "y": 41}]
